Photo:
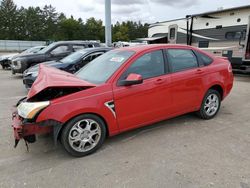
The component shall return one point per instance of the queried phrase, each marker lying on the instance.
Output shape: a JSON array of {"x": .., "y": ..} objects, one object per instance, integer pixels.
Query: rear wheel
[
  {"x": 83, "y": 135},
  {"x": 210, "y": 104}
]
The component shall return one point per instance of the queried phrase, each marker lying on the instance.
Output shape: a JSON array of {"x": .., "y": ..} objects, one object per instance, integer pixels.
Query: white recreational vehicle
[{"x": 223, "y": 32}]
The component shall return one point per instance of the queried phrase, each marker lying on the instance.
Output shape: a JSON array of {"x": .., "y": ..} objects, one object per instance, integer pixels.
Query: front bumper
[
  {"x": 5, "y": 63},
  {"x": 24, "y": 130},
  {"x": 15, "y": 69}
]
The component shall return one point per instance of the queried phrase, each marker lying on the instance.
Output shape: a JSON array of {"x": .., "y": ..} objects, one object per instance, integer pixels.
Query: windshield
[
  {"x": 102, "y": 68},
  {"x": 32, "y": 50},
  {"x": 74, "y": 57},
  {"x": 47, "y": 48}
]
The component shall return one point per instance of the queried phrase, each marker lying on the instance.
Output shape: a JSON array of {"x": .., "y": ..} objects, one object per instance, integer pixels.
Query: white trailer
[{"x": 223, "y": 32}]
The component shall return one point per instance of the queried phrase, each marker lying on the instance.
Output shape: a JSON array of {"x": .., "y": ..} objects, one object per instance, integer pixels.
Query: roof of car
[
  {"x": 96, "y": 49},
  {"x": 76, "y": 42},
  {"x": 140, "y": 48}
]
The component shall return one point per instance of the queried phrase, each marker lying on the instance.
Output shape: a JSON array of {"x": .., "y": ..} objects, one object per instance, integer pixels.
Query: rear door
[
  {"x": 150, "y": 101},
  {"x": 187, "y": 79}
]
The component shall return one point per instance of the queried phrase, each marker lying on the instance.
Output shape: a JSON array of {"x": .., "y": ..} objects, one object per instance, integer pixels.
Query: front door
[{"x": 144, "y": 103}]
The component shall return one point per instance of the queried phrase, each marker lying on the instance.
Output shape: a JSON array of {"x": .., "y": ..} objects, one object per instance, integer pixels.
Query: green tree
[
  {"x": 94, "y": 29},
  {"x": 121, "y": 32},
  {"x": 51, "y": 19},
  {"x": 8, "y": 20},
  {"x": 69, "y": 29},
  {"x": 34, "y": 24}
]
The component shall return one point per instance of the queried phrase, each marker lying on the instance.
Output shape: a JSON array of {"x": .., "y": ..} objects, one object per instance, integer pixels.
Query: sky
[{"x": 146, "y": 11}]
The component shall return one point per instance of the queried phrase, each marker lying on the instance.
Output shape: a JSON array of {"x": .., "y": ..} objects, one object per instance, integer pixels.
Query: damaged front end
[
  {"x": 24, "y": 124},
  {"x": 50, "y": 84}
]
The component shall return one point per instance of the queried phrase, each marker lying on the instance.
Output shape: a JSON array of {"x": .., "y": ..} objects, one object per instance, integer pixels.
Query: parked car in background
[
  {"x": 6, "y": 60},
  {"x": 122, "y": 90},
  {"x": 33, "y": 50},
  {"x": 71, "y": 63},
  {"x": 54, "y": 51}
]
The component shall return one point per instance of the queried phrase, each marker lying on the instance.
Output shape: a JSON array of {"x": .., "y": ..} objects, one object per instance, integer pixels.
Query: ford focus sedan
[{"x": 121, "y": 90}]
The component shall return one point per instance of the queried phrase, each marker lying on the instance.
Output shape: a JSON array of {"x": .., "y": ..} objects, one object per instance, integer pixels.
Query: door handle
[
  {"x": 199, "y": 71},
  {"x": 159, "y": 81}
]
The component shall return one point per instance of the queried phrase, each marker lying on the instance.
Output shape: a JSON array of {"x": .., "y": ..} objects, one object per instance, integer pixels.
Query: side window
[
  {"x": 205, "y": 59},
  {"x": 180, "y": 59},
  {"x": 149, "y": 65},
  {"x": 172, "y": 34},
  {"x": 235, "y": 35},
  {"x": 92, "y": 56},
  {"x": 89, "y": 46},
  {"x": 60, "y": 49},
  {"x": 203, "y": 44},
  {"x": 77, "y": 47}
]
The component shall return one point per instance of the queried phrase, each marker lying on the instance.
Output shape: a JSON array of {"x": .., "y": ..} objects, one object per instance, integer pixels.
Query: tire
[
  {"x": 210, "y": 105},
  {"x": 83, "y": 135}
]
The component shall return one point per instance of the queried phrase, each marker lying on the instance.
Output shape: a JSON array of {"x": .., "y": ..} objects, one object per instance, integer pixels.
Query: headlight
[
  {"x": 29, "y": 110},
  {"x": 34, "y": 74}
]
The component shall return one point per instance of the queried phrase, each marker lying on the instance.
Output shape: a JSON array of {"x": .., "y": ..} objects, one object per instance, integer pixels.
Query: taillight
[
  {"x": 247, "y": 55},
  {"x": 230, "y": 67}
]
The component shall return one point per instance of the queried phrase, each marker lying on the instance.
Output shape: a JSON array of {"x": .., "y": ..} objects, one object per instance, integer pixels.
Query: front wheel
[
  {"x": 83, "y": 135},
  {"x": 210, "y": 104}
]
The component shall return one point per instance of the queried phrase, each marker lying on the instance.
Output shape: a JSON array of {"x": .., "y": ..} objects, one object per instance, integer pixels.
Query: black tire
[
  {"x": 202, "y": 113},
  {"x": 69, "y": 128}
]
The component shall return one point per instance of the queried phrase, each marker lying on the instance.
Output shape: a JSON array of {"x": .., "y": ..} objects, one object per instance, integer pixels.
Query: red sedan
[{"x": 121, "y": 90}]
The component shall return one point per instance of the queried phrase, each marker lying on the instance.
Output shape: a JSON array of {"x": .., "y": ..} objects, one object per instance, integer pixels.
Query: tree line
[{"x": 35, "y": 23}]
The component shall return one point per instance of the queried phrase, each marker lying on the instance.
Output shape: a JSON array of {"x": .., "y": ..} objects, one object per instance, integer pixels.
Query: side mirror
[{"x": 132, "y": 79}]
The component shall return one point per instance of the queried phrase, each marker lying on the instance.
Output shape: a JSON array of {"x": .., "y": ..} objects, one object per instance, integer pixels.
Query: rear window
[{"x": 205, "y": 60}]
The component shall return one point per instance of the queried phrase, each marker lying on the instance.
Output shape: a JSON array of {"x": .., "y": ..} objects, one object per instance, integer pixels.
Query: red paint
[
  {"x": 52, "y": 77},
  {"x": 21, "y": 130},
  {"x": 155, "y": 99},
  {"x": 133, "y": 77}
]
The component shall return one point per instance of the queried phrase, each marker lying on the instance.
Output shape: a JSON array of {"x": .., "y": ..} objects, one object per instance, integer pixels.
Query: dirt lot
[{"x": 183, "y": 152}]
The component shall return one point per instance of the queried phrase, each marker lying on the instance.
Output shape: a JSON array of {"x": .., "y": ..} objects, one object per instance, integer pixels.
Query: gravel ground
[{"x": 182, "y": 152}]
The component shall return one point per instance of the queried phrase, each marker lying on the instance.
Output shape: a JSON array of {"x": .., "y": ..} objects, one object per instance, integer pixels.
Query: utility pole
[{"x": 108, "y": 37}]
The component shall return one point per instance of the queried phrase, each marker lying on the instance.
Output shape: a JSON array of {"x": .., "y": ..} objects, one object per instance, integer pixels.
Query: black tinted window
[
  {"x": 172, "y": 33},
  {"x": 149, "y": 65},
  {"x": 77, "y": 47},
  {"x": 180, "y": 59},
  {"x": 205, "y": 60},
  {"x": 233, "y": 35},
  {"x": 60, "y": 49},
  {"x": 203, "y": 44}
]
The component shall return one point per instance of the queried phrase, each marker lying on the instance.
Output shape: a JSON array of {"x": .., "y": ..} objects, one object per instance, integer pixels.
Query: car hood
[
  {"x": 52, "y": 78},
  {"x": 35, "y": 68},
  {"x": 3, "y": 57},
  {"x": 30, "y": 56}
]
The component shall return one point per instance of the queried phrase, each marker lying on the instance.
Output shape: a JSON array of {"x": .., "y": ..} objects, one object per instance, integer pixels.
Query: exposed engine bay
[{"x": 53, "y": 93}]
